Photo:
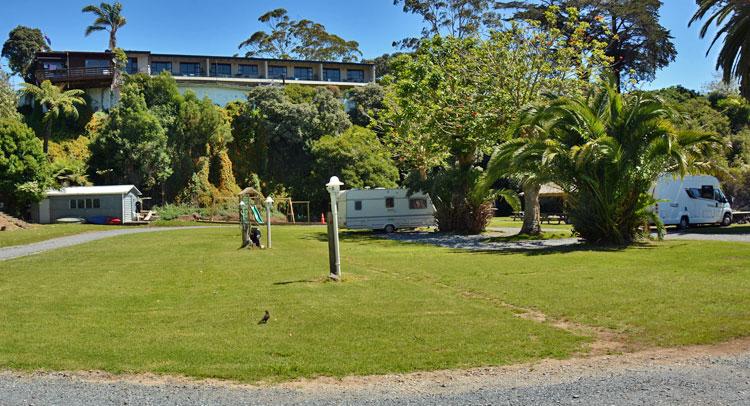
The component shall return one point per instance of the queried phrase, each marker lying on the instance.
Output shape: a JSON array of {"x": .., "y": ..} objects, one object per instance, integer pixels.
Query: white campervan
[
  {"x": 691, "y": 200},
  {"x": 384, "y": 209}
]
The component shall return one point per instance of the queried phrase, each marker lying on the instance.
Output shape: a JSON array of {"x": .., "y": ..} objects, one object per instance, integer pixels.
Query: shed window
[
  {"x": 97, "y": 203},
  {"x": 389, "y": 203},
  {"x": 416, "y": 204},
  {"x": 73, "y": 203},
  {"x": 81, "y": 204},
  {"x": 88, "y": 203},
  {"x": 358, "y": 205}
]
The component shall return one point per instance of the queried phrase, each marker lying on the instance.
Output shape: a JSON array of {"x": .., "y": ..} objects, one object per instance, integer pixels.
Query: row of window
[
  {"x": 414, "y": 204},
  {"x": 244, "y": 70},
  {"x": 85, "y": 203}
]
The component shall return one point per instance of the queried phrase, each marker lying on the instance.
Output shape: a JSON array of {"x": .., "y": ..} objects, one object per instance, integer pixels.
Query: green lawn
[
  {"x": 189, "y": 305},
  {"x": 46, "y": 232},
  {"x": 546, "y": 235}
]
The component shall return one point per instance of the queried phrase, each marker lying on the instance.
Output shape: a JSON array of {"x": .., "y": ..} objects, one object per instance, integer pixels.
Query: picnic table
[
  {"x": 549, "y": 218},
  {"x": 517, "y": 215}
]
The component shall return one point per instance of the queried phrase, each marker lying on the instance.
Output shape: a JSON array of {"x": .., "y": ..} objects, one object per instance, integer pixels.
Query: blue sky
[{"x": 215, "y": 28}]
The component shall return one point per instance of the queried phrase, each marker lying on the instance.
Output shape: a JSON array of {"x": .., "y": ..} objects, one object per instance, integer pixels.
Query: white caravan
[
  {"x": 384, "y": 209},
  {"x": 691, "y": 200}
]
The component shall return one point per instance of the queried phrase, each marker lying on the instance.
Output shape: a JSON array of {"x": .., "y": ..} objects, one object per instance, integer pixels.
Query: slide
[{"x": 256, "y": 214}]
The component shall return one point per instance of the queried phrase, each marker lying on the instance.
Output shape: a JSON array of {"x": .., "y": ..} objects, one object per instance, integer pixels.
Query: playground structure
[{"x": 224, "y": 209}]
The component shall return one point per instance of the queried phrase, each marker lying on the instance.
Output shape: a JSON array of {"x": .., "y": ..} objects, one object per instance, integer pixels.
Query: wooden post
[{"x": 331, "y": 246}]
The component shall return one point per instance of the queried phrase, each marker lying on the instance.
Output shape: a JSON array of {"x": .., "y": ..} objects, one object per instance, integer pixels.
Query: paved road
[
  {"x": 67, "y": 241},
  {"x": 676, "y": 377}
]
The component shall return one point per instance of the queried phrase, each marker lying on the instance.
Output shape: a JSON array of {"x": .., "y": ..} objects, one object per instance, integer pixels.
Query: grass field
[{"x": 189, "y": 305}]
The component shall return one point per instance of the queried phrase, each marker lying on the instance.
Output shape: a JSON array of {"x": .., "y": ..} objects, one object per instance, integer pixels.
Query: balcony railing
[{"x": 76, "y": 73}]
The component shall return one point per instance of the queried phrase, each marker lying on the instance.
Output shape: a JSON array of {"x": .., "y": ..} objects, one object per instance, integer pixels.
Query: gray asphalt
[
  {"x": 68, "y": 241},
  {"x": 700, "y": 380}
]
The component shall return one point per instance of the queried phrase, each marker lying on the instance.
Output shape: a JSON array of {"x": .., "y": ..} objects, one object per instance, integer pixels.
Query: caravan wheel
[{"x": 390, "y": 228}]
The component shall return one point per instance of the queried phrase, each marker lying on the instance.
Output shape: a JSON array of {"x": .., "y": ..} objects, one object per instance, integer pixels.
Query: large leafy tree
[
  {"x": 24, "y": 172},
  {"x": 109, "y": 18},
  {"x": 455, "y": 18},
  {"x": 58, "y": 104},
  {"x": 606, "y": 151},
  {"x": 732, "y": 17},
  {"x": 132, "y": 145},
  {"x": 274, "y": 131},
  {"x": 636, "y": 41},
  {"x": 302, "y": 39},
  {"x": 447, "y": 106},
  {"x": 20, "y": 49},
  {"x": 357, "y": 156}
]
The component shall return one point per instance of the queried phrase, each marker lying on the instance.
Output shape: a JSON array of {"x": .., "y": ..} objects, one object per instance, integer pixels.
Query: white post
[
  {"x": 269, "y": 202},
  {"x": 333, "y": 186}
]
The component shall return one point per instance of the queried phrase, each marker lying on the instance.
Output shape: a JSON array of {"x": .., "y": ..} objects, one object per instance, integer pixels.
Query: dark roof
[{"x": 239, "y": 58}]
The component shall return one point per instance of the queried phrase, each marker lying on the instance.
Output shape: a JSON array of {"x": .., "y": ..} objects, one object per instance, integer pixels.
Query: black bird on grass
[{"x": 265, "y": 318}]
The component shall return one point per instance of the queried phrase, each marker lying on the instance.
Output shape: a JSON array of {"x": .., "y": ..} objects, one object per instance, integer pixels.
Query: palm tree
[
  {"x": 521, "y": 158},
  {"x": 606, "y": 151},
  {"x": 56, "y": 102},
  {"x": 733, "y": 19},
  {"x": 108, "y": 18}
]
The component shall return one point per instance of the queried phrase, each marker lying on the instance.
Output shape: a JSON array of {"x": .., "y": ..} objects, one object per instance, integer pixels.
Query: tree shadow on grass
[
  {"x": 743, "y": 229},
  {"x": 563, "y": 249},
  {"x": 349, "y": 236}
]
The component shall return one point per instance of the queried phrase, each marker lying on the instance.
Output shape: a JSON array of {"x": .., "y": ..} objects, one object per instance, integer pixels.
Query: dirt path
[
  {"x": 68, "y": 241},
  {"x": 718, "y": 374}
]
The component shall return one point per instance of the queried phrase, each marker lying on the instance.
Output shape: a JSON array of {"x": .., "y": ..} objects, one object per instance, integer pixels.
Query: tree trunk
[
  {"x": 531, "y": 214},
  {"x": 115, "y": 88},
  {"x": 47, "y": 135}
]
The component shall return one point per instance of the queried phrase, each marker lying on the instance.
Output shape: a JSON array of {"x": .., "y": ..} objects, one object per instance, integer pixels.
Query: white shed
[{"x": 88, "y": 202}]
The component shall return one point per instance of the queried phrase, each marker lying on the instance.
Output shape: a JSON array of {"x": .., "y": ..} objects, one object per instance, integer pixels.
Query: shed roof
[{"x": 94, "y": 190}]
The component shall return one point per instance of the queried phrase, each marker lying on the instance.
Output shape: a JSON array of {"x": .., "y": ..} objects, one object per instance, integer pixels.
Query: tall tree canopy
[
  {"x": 8, "y": 98},
  {"x": 732, "y": 17},
  {"x": 21, "y": 46},
  {"x": 638, "y": 44},
  {"x": 24, "y": 172},
  {"x": 300, "y": 39},
  {"x": 455, "y": 18}
]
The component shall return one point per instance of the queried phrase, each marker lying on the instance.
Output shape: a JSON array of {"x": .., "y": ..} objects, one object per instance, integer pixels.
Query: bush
[{"x": 24, "y": 171}]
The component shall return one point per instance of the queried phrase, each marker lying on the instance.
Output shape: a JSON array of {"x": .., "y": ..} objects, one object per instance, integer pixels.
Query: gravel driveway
[
  {"x": 659, "y": 377},
  {"x": 67, "y": 241}
]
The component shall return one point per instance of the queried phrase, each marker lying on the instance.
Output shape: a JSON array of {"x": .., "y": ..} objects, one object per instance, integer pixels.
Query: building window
[
  {"x": 223, "y": 70},
  {"x": 389, "y": 203},
  {"x": 97, "y": 203},
  {"x": 158, "y": 67},
  {"x": 88, "y": 203},
  {"x": 190, "y": 69},
  {"x": 248, "y": 71},
  {"x": 416, "y": 204},
  {"x": 303, "y": 73},
  {"x": 331, "y": 75},
  {"x": 277, "y": 72},
  {"x": 357, "y": 205},
  {"x": 96, "y": 63},
  {"x": 355, "y": 75},
  {"x": 73, "y": 203},
  {"x": 132, "y": 66}
]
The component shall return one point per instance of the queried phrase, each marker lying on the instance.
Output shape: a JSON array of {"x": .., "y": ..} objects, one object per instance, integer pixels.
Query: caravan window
[
  {"x": 707, "y": 192},
  {"x": 358, "y": 205},
  {"x": 389, "y": 203},
  {"x": 416, "y": 204}
]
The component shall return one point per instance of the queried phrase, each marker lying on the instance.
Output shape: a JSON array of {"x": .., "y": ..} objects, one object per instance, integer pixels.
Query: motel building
[{"x": 220, "y": 78}]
